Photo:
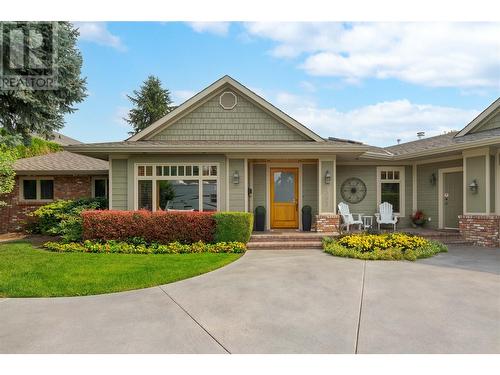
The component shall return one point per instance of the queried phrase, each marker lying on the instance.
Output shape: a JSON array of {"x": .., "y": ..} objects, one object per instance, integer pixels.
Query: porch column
[{"x": 327, "y": 220}]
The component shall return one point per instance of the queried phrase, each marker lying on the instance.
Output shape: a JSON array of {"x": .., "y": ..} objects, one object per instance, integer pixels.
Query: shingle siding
[
  {"x": 246, "y": 122},
  {"x": 492, "y": 123}
]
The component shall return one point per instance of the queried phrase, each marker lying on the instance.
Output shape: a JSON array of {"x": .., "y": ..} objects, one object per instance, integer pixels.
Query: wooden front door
[
  {"x": 284, "y": 198},
  {"x": 453, "y": 198}
]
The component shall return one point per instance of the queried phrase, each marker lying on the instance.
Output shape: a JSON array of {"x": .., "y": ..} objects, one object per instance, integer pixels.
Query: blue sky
[{"x": 371, "y": 82}]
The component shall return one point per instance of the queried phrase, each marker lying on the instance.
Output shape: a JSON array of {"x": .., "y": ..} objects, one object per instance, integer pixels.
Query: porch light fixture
[
  {"x": 432, "y": 180},
  {"x": 236, "y": 178},
  {"x": 328, "y": 177},
  {"x": 474, "y": 186}
]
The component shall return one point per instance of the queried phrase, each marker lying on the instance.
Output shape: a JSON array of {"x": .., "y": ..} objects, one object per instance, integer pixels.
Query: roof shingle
[{"x": 61, "y": 162}]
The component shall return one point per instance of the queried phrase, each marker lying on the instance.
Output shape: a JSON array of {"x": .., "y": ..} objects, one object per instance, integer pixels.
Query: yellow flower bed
[
  {"x": 374, "y": 242},
  {"x": 387, "y": 246}
]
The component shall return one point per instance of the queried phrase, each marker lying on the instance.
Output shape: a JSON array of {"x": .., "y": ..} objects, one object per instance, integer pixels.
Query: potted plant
[{"x": 418, "y": 218}]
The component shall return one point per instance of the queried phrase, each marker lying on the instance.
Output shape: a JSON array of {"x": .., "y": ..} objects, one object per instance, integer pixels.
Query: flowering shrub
[
  {"x": 142, "y": 248},
  {"x": 418, "y": 217},
  {"x": 162, "y": 227},
  {"x": 389, "y": 246},
  {"x": 62, "y": 217}
]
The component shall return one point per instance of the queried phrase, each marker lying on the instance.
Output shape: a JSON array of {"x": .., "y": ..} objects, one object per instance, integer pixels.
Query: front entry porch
[{"x": 284, "y": 187}]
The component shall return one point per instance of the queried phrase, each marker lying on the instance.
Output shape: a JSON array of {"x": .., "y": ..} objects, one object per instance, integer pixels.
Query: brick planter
[
  {"x": 327, "y": 223},
  {"x": 482, "y": 230}
]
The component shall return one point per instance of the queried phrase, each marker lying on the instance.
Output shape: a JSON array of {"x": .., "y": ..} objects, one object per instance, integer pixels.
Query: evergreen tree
[
  {"x": 151, "y": 103},
  {"x": 26, "y": 111}
]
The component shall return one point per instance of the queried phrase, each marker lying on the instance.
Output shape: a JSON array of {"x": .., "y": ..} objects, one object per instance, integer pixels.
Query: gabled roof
[
  {"x": 62, "y": 162},
  {"x": 190, "y": 104},
  {"x": 477, "y": 122}
]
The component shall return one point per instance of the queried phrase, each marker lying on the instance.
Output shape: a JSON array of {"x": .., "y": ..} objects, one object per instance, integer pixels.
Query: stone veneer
[
  {"x": 483, "y": 230},
  {"x": 327, "y": 223},
  {"x": 13, "y": 216}
]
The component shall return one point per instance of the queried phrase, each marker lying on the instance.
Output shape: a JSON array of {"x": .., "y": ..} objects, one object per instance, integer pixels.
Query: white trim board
[
  {"x": 154, "y": 178},
  {"x": 402, "y": 187},
  {"x": 441, "y": 172}
]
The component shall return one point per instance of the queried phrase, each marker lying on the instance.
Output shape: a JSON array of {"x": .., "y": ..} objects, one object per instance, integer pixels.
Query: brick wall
[
  {"x": 14, "y": 215},
  {"x": 483, "y": 230},
  {"x": 327, "y": 223}
]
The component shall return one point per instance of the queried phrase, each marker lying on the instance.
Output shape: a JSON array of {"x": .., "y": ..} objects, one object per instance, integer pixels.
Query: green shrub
[
  {"x": 62, "y": 218},
  {"x": 142, "y": 248},
  {"x": 357, "y": 249},
  {"x": 233, "y": 226}
]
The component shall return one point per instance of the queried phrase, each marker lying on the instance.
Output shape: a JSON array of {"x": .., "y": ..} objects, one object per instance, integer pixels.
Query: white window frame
[
  {"x": 38, "y": 189},
  {"x": 401, "y": 182},
  {"x": 106, "y": 190},
  {"x": 154, "y": 178}
]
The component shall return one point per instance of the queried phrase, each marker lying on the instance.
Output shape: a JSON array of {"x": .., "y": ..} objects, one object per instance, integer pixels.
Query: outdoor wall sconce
[
  {"x": 236, "y": 178},
  {"x": 432, "y": 180},
  {"x": 474, "y": 187},
  {"x": 328, "y": 177}
]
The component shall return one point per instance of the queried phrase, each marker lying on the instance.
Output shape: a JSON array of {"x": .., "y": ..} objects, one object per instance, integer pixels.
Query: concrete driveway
[{"x": 300, "y": 301}]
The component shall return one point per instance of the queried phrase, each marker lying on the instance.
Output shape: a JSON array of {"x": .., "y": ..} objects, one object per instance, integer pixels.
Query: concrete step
[
  {"x": 286, "y": 245},
  {"x": 286, "y": 238}
]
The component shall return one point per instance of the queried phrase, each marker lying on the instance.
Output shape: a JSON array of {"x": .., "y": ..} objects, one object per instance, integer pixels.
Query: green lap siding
[
  {"x": 237, "y": 193},
  {"x": 493, "y": 178},
  {"x": 427, "y": 193},
  {"x": 476, "y": 170},
  {"x": 327, "y": 190},
  {"x": 310, "y": 187},
  {"x": 368, "y": 174},
  {"x": 259, "y": 186},
  {"x": 118, "y": 188}
]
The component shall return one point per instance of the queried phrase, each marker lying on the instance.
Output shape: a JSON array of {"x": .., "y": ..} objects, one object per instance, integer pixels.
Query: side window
[
  {"x": 29, "y": 189},
  {"x": 37, "y": 189},
  {"x": 100, "y": 188}
]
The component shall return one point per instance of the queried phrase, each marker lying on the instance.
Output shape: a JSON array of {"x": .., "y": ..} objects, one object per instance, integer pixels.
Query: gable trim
[
  {"x": 206, "y": 94},
  {"x": 480, "y": 118}
]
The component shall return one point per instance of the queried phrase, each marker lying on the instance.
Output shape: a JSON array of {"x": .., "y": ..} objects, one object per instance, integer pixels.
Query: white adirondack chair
[
  {"x": 386, "y": 216},
  {"x": 348, "y": 218}
]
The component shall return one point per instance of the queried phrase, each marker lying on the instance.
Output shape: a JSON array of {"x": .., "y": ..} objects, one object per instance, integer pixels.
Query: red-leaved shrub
[{"x": 161, "y": 227}]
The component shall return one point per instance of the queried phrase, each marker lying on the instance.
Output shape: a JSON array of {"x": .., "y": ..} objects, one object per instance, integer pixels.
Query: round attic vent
[{"x": 228, "y": 100}]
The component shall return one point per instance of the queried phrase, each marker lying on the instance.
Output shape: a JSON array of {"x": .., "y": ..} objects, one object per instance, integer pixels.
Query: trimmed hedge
[
  {"x": 162, "y": 227},
  {"x": 154, "y": 248},
  {"x": 233, "y": 226}
]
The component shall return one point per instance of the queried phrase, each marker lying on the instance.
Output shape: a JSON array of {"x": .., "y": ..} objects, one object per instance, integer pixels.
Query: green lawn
[{"x": 26, "y": 271}]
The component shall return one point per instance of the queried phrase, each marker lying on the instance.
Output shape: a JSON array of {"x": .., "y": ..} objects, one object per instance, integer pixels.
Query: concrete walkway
[{"x": 301, "y": 301}]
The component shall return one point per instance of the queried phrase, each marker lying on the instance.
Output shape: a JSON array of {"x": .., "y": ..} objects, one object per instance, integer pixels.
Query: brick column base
[
  {"x": 327, "y": 223},
  {"x": 483, "y": 230}
]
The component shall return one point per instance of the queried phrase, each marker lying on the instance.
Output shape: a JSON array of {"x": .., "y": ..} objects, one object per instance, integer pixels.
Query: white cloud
[
  {"x": 464, "y": 55},
  {"x": 378, "y": 124},
  {"x": 97, "y": 32},
  {"x": 119, "y": 116},
  {"x": 218, "y": 28},
  {"x": 180, "y": 96}
]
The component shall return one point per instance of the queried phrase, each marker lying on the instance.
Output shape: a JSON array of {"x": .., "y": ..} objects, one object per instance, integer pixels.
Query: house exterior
[
  {"x": 228, "y": 149},
  {"x": 46, "y": 178}
]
